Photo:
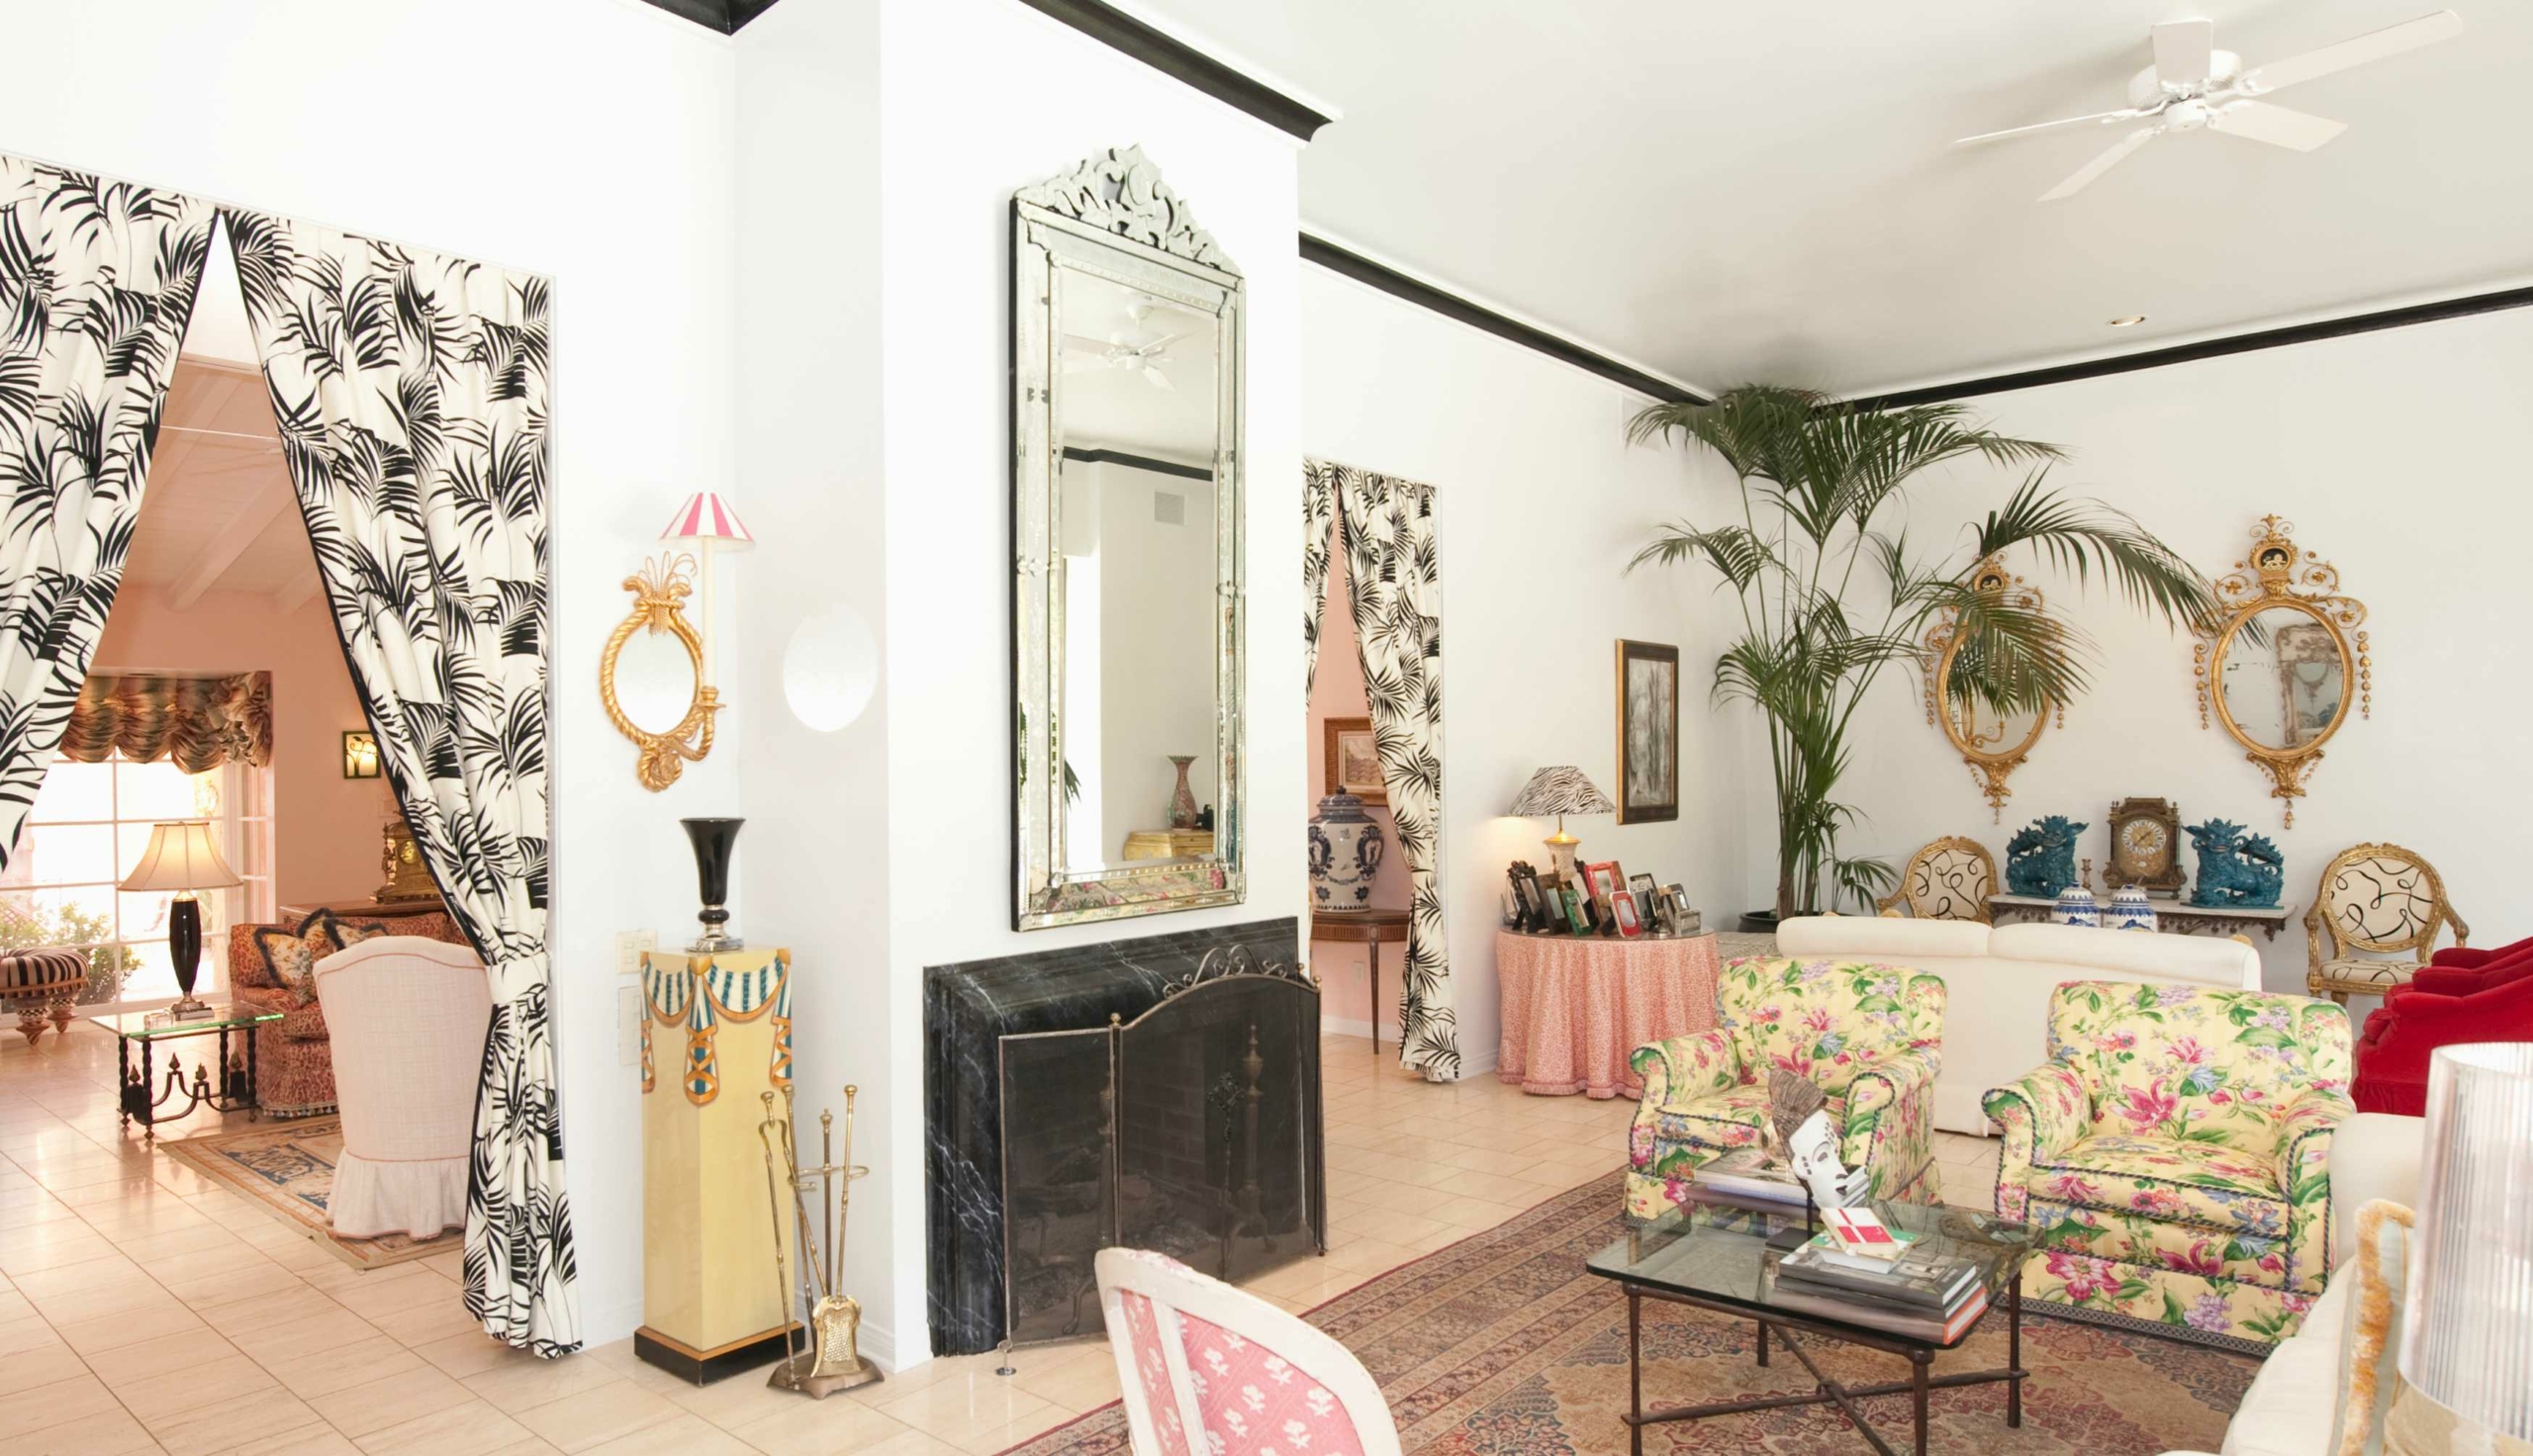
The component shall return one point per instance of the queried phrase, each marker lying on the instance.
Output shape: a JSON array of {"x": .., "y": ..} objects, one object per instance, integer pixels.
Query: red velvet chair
[{"x": 2441, "y": 1006}]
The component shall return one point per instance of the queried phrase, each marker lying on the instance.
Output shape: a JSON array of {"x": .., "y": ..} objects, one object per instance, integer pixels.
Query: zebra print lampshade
[{"x": 1562, "y": 789}]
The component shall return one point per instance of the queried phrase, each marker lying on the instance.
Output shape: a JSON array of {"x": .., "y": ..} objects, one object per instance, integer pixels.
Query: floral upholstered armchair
[
  {"x": 2174, "y": 1155},
  {"x": 1871, "y": 1037}
]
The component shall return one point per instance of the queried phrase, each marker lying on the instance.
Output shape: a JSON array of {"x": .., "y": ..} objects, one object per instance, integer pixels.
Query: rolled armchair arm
[
  {"x": 1891, "y": 1119},
  {"x": 1683, "y": 1067},
  {"x": 2044, "y": 1115},
  {"x": 2305, "y": 1128}
]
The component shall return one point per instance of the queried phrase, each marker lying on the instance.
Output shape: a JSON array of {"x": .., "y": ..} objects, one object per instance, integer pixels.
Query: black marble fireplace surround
[{"x": 1163, "y": 1093}]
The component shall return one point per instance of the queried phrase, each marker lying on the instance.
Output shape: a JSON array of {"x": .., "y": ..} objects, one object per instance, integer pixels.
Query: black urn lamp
[
  {"x": 182, "y": 857},
  {"x": 713, "y": 839}
]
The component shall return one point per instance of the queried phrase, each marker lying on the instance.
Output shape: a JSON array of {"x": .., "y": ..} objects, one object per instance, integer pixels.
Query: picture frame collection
[{"x": 1600, "y": 900}]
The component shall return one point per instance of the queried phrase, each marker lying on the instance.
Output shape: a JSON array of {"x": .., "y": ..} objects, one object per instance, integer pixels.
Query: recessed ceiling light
[{"x": 2129, "y": 322}]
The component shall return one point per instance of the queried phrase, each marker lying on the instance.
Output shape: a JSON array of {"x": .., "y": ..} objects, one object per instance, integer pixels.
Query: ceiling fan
[
  {"x": 1121, "y": 352},
  {"x": 2193, "y": 86}
]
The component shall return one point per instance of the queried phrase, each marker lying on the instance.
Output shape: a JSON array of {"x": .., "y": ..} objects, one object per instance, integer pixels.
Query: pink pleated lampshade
[{"x": 705, "y": 516}]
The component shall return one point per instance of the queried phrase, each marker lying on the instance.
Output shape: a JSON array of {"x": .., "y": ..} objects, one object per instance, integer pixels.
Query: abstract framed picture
[
  {"x": 1648, "y": 715},
  {"x": 1351, "y": 761}
]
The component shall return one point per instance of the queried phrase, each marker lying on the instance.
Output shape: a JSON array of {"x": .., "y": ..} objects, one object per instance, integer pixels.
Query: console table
[
  {"x": 2172, "y": 917},
  {"x": 1365, "y": 928},
  {"x": 1575, "y": 1007}
]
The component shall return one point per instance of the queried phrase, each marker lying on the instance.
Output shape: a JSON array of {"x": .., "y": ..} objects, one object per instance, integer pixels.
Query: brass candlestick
[{"x": 832, "y": 1362}]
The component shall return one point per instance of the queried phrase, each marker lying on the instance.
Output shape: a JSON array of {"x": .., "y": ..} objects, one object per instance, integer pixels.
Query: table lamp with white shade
[
  {"x": 2466, "y": 1342},
  {"x": 1560, "y": 790},
  {"x": 707, "y": 522},
  {"x": 182, "y": 857}
]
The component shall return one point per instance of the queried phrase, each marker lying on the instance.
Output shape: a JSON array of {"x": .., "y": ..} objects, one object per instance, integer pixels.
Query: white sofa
[
  {"x": 2295, "y": 1400},
  {"x": 1997, "y": 980}
]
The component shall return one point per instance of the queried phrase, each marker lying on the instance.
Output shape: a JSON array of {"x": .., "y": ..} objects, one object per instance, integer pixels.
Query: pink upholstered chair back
[
  {"x": 408, "y": 1017},
  {"x": 1211, "y": 1371}
]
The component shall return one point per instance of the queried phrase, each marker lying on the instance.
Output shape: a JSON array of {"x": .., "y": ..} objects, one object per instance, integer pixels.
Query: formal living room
[{"x": 654, "y": 653}]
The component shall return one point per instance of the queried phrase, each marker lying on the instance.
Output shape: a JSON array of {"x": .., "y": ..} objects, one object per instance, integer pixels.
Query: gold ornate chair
[
  {"x": 1949, "y": 879},
  {"x": 2379, "y": 907}
]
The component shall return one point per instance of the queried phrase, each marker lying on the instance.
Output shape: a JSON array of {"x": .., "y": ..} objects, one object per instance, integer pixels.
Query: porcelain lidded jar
[
  {"x": 2130, "y": 910},
  {"x": 1345, "y": 846},
  {"x": 2076, "y": 907}
]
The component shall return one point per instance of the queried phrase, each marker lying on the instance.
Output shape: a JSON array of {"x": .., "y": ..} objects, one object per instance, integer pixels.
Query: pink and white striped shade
[{"x": 705, "y": 516}]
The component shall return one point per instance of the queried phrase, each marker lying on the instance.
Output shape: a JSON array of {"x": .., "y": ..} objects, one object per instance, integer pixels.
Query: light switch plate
[
  {"x": 631, "y": 946},
  {"x": 629, "y": 1026}
]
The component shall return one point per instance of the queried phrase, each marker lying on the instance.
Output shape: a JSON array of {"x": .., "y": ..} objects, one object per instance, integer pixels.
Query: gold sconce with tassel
[
  {"x": 660, "y": 591},
  {"x": 833, "y": 1360}
]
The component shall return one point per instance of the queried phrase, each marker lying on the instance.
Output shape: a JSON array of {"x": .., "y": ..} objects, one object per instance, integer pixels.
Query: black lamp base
[{"x": 184, "y": 950}]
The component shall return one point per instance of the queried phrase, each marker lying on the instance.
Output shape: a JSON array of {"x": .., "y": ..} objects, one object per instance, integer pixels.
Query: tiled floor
[{"x": 144, "y": 1309}]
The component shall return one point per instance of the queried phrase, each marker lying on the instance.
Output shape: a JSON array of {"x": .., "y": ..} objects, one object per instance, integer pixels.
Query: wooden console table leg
[{"x": 1375, "y": 948}]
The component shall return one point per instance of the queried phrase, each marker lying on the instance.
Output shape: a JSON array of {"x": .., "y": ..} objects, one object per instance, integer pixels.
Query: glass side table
[{"x": 236, "y": 1091}]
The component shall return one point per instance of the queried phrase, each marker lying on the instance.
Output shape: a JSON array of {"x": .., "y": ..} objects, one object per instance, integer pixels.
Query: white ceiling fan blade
[
  {"x": 2084, "y": 176},
  {"x": 2098, "y": 118},
  {"x": 1158, "y": 380},
  {"x": 2427, "y": 30},
  {"x": 2185, "y": 50},
  {"x": 2275, "y": 125}
]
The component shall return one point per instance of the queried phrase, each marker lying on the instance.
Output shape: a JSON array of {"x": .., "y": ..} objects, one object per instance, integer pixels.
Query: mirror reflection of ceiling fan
[
  {"x": 1126, "y": 348},
  {"x": 2193, "y": 86}
]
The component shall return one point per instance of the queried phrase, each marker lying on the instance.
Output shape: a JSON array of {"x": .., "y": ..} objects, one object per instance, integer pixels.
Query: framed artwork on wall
[
  {"x": 1353, "y": 763},
  {"x": 1648, "y": 715}
]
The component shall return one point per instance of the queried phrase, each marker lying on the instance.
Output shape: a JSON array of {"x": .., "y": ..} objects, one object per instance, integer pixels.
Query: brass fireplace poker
[{"x": 831, "y": 1362}]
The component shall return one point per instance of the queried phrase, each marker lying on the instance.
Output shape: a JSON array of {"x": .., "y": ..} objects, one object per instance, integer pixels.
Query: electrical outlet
[
  {"x": 631, "y": 946},
  {"x": 629, "y": 1026}
]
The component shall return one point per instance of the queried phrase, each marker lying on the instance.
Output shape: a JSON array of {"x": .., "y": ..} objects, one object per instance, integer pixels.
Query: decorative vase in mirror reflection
[
  {"x": 2130, "y": 910},
  {"x": 1346, "y": 847},
  {"x": 713, "y": 839},
  {"x": 2076, "y": 906},
  {"x": 1182, "y": 799}
]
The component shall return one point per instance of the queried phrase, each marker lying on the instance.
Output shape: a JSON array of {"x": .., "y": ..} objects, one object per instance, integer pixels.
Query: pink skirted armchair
[{"x": 409, "y": 1015}]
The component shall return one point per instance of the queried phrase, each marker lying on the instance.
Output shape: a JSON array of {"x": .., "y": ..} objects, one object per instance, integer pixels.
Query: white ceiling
[
  {"x": 1725, "y": 192},
  {"x": 219, "y": 515},
  {"x": 1102, "y": 405}
]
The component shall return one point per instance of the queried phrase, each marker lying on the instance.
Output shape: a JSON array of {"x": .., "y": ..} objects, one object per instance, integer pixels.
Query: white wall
[
  {"x": 586, "y": 140},
  {"x": 2398, "y": 455},
  {"x": 1156, "y": 698},
  {"x": 1540, "y": 503}
]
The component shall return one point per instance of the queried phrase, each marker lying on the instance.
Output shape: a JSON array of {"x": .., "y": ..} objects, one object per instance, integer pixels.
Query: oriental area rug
[
  {"x": 288, "y": 1169},
  {"x": 1502, "y": 1345}
]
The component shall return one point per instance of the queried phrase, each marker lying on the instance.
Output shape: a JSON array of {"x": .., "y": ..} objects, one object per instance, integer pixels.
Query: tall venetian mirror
[{"x": 1127, "y": 335}]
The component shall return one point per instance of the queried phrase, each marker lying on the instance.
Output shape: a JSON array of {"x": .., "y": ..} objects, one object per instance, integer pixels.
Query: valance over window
[{"x": 195, "y": 723}]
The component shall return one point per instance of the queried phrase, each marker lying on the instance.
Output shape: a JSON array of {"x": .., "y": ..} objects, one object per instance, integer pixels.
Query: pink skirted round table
[{"x": 1575, "y": 1006}]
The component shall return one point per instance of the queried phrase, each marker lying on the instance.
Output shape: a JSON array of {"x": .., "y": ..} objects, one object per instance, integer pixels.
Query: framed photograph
[
  {"x": 1578, "y": 911},
  {"x": 1683, "y": 917},
  {"x": 1649, "y": 732},
  {"x": 1606, "y": 880},
  {"x": 1351, "y": 762},
  {"x": 1547, "y": 907},
  {"x": 1648, "y": 911},
  {"x": 1623, "y": 908},
  {"x": 1642, "y": 884}
]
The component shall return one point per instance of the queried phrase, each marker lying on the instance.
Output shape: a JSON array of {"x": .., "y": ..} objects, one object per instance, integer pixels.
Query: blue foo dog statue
[
  {"x": 2232, "y": 870},
  {"x": 2040, "y": 860}
]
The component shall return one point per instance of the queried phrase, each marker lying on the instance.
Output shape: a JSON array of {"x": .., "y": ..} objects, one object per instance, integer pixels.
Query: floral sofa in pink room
[
  {"x": 2173, "y": 1158},
  {"x": 274, "y": 967},
  {"x": 1870, "y": 1035}
]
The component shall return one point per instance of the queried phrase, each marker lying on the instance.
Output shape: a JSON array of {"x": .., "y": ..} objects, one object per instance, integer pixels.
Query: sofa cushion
[
  {"x": 2172, "y": 1061},
  {"x": 2195, "y": 960},
  {"x": 1879, "y": 938},
  {"x": 1826, "y": 1019},
  {"x": 2168, "y": 1179},
  {"x": 2288, "y": 1410}
]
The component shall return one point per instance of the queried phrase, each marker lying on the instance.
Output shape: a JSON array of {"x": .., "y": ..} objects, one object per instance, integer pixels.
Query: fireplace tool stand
[{"x": 831, "y": 1361}]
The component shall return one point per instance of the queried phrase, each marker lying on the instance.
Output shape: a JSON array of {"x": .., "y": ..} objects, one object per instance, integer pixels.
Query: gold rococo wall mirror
[
  {"x": 1128, "y": 332},
  {"x": 2284, "y": 659},
  {"x": 1993, "y": 740}
]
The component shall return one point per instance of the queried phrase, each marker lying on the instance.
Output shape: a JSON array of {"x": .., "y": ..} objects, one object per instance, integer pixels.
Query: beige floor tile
[
  {"x": 516, "y": 1386},
  {"x": 472, "y": 1353},
  {"x": 143, "y": 1248},
  {"x": 122, "y": 1365},
  {"x": 157, "y": 1398},
  {"x": 358, "y": 1409},
  {"x": 426, "y": 1323},
  {"x": 78, "y": 1398},
  {"x": 599, "y": 1415},
  {"x": 334, "y": 1327},
  {"x": 471, "y": 1427},
  {"x": 679, "y": 1435},
  {"x": 112, "y": 1432},
  {"x": 315, "y": 1441},
  {"x": 963, "y": 1407},
  {"x": 241, "y": 1317},
  {"x": 1086, "y": 1380},
  {"x": 333, "y": 1368},
  {"x": 253, "y": 1278},
  {"x": 387, "y": 1291},
  {"x": 26, "y": 1370},
  {"x": 129, "y": 1327},
  {"x": 222, "y": 1425}
]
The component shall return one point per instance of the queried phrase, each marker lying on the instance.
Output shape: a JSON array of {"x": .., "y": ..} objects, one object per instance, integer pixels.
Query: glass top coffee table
[
  {"x": 1721, "y": 1257},
  {"x": 236, "y": 1091}
]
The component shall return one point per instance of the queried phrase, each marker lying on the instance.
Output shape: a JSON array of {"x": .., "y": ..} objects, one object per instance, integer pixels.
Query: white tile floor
[{"x": 145, "y": 1308}]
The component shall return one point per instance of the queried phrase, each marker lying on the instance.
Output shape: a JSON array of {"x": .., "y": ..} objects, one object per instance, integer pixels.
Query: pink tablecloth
[{"x": 1574, "y": 1008}]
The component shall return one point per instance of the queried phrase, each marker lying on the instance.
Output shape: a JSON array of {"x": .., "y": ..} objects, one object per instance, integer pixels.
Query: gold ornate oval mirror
[
  {"x": 1991, "y": 737},
  {"x": 2284, "y": 659},
  {"x": 653, "y": 683}
]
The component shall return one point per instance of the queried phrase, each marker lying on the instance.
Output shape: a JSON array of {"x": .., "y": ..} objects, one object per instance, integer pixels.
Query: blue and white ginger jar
[
  {"x": 2076, "y": 907},
  {"x": 1346, "y": 847}
]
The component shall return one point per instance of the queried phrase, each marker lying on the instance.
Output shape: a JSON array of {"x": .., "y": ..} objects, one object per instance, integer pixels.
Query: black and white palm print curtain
[
  {"x": 411, "y": 392},
  {"x": 1394, "y": 592},
  {"x": 97, "y": 282}
]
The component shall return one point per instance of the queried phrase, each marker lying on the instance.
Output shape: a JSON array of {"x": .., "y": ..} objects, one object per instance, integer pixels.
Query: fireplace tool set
[{"x": 830, "y": 1362}]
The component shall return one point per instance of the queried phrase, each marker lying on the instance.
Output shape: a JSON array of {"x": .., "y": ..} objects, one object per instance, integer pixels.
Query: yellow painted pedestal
[{"x": 716, "y": 1033}]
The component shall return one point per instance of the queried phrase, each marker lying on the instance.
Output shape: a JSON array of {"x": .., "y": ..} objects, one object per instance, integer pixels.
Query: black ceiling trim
[
  {"x": 1173, "y": 56},
  {"x": 725, "y": 16},
  {"x": 1452, "y": 305},
  {"x": 2239, "y": 343},
  {"x": 1139, "y": 462}
]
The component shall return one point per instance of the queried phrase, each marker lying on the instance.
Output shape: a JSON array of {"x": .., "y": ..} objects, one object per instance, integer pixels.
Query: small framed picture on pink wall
[{"x": 1352, "y": 762}]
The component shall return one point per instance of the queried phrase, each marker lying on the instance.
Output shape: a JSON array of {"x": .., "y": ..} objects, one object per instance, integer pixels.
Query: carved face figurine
[{"x": 1813, "y": 1150}]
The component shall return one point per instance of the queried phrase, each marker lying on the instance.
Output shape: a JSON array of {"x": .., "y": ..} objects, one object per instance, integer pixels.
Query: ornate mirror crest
[
  {"x": 2284, "y": 659},
  {"x": 1122, "y": 193},
  {"x": 1992, "y": 743}
]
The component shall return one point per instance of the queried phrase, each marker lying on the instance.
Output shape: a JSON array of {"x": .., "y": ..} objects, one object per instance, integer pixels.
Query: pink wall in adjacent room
[
  {"x": 1337, "y": 691},
  {"x": 325, "y": 826}
]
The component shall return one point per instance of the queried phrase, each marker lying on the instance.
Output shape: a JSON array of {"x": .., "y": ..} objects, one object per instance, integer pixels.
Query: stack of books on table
[
  {"x": 1746, "y": 1174},
  {"x": 1905, "y": 1291}
]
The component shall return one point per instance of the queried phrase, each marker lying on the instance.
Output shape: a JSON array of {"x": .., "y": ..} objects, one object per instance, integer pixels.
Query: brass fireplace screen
[{"x": 1194, "y": 1131}]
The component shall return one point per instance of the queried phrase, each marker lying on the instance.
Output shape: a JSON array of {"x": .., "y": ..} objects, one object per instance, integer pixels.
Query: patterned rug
[
  {"x": 289, "y": 1168},
  {"x": 1502, "y": 1345}
]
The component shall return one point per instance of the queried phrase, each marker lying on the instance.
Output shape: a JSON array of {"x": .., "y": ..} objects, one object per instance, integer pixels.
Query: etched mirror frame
[
  {"x": 1113, "y": 217},
  {"x": 2278, "y": 574},
  {"x": 1990, "y": 767}
]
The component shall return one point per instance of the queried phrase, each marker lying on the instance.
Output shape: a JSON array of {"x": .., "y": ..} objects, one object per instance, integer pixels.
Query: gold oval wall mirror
[
  {"x": 650, "y": 677},
  {"x": 2284, "y": 659},
  {"x": 1991, "y": 737}
]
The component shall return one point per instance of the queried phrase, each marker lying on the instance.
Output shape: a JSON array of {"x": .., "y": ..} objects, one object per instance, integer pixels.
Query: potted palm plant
[{"x": 1829, "y": 597}]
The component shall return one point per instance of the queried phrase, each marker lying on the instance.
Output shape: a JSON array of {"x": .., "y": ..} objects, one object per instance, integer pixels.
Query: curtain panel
[
  {"x": 195, "y": 723},
  {"x": 411, "y": 392},
  {"x": 1319, "y": 520},
  {"x": 97, "y": 282},
  {"x": 1394, "y": 594}
]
